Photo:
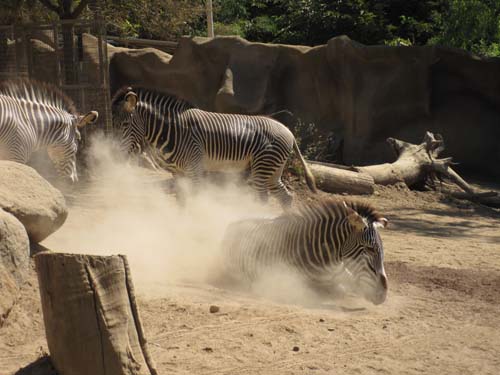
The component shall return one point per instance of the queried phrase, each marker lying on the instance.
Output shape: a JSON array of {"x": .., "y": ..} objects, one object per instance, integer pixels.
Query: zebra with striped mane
[
  {"x": 191, "y": 141},
  {"x": 35, "y": 115},
  {"x": 320, "y": 241}
]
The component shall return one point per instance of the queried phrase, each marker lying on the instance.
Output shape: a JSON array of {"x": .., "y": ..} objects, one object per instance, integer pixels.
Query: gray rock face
[
  {"x": 14, "y": 260},
  {"x": 39, "y": 206},
  {"x": 361, "y": 94}
]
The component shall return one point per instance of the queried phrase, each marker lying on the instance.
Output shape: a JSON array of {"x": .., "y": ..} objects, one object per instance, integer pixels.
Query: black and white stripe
[
  {"x": 36, "y": 115},
  {"x": 191, "y": 141},
  {"x": 320, "y": 241}
]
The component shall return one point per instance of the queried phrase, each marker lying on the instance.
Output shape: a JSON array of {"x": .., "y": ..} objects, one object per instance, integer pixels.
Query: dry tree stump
[{"x": 91, "y": 319}]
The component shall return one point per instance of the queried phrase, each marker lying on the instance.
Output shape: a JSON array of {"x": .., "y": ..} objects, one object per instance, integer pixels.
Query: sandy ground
[{"x": 442, "y": 315}]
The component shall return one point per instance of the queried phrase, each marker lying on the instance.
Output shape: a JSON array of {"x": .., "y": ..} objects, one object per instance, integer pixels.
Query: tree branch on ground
[{"x": 415, "y": 165}]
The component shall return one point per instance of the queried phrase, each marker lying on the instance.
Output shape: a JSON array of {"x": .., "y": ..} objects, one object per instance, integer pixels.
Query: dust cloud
[
  {"x": 123, "y": 208},
  {"x": 126, "y": 209}
]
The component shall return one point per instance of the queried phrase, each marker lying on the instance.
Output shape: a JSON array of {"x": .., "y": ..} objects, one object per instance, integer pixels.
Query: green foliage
[
  {"x": 261, "y": 28},
  {"x": 16, "y": 11},
  {"x": 313, "y": 22},
  {"x": 153, "y": 19},
  {"x": 313, "y": 144},
  {"x": 235, "y": 28},
  {"x": 472, "y": 25},
  {"x": 469, "y": 24},
  {"x": 398, "y": 42}
]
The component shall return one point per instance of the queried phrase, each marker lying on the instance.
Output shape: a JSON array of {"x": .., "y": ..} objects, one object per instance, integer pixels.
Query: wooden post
[
  {"x": 91, "y": 319},
  {"x": 210, "y": 19}
]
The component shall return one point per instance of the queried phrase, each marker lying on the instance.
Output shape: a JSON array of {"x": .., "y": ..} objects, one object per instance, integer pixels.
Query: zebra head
[
  {"x": 63, "y": 151},
  {"x": 363, "y": 254},
  {"x": 128, "y": 123}
]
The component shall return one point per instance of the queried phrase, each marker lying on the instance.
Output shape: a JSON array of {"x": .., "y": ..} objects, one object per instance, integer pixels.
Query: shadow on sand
[{"x": 42, "y": 366}]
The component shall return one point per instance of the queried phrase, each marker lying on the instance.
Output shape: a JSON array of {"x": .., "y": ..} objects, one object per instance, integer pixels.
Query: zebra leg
[
  {"x": 267, "y": 169},
  {"x": 188, "y": 183},
  {"x": 278, "y": 189},
  {"x": 282, "y": 194},
  {"x": 259, "y": 184},
  {"x": 180, "y": 190}
]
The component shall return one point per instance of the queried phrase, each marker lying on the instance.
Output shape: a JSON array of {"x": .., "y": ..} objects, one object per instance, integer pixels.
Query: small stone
[
  {"x": 331, "y": 329},
  {"x": 295, "y": 348},
  {"x": 322, "y": 320},
  {"x": 214, "y": 309},
  {"x": 384, "y": 326},
  {"x": 208, "y": 349}
]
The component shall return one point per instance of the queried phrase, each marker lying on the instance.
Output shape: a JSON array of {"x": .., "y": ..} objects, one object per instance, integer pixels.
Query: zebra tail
[{"x": 310, "y": 180}]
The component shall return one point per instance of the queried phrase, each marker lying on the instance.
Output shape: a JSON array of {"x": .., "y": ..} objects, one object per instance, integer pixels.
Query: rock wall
[{"x": 362, "y": 93}]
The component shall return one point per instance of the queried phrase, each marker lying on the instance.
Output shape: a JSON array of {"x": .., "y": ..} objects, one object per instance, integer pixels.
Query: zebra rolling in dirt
[
  {"x": 319, "y": 241},
  {"x": 191, "y": 141},
  {"x": 36, "y": 115}
]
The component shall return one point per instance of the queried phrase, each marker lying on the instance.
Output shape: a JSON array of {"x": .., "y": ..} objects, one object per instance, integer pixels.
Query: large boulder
[
  {"x": 14, "y": 261},
  {"x": 39, "y": 206}
]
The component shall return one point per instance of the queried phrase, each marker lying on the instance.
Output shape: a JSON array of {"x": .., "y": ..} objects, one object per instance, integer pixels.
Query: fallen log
[
  {"x": 91, "y": 319},
  {"x": 421, "y": 163},
  {"x": 415, "y": 164},
  {"x": 341, "y": 180}
]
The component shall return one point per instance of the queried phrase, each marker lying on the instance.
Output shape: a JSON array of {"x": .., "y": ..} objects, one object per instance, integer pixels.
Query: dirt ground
[{"x": 442, "y": 315}]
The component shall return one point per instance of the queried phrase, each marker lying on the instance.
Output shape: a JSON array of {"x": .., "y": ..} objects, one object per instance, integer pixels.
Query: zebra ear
[
  {"x": 130, "y": 101},
  {"x": 89, "y": 118},
  {"x": 381, "y": 223}
]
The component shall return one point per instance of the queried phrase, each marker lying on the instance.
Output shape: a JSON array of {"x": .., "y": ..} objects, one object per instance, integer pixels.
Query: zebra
[
  {"x": 35, "y": 115},
  {"x": 320, "y": 241},
  {"x": 190, "y": 141}
]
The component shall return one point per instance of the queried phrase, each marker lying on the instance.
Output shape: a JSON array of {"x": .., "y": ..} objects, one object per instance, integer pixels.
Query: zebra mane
[
  {"x": 338, "y": 206},
  {"x": 120, "y": 94},
  {"x": 39, "y": 92},
  {"x": 365, "y": 210}
]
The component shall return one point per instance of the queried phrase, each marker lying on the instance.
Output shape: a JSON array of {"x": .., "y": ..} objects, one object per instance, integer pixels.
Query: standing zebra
[
  {"x": 34, "y": 115},
  {"x": 191, "y": 141},
  {"x": 317, "y": 241}
]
